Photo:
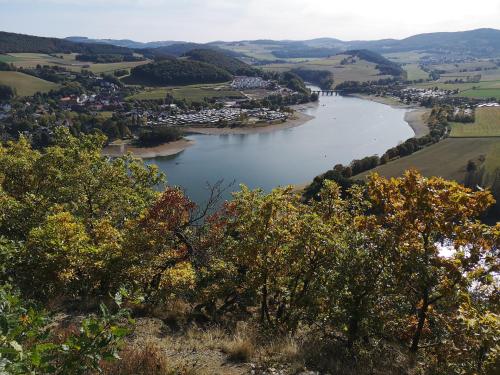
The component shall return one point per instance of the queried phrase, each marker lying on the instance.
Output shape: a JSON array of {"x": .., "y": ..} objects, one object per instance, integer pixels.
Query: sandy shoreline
[
  {"x": 416, "y": 117},
  {"x": 121, "y": 148}
]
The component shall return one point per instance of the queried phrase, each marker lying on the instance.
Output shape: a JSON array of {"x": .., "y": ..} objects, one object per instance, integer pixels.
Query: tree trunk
[
  {"x": 263, "y": 304},
  {"x": 422, "y": 315},
  {"x": 352, "y": 332}
]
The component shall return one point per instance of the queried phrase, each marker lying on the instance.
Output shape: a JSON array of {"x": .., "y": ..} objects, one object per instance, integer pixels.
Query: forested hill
[
  {"x": 476, "y": 42},
  {"x": 385, "y": 66},
  {"x": 221, "y": 60},
  {"x": 11, "y": 42},
  {"x": 480, "y": 43},
  {"x": 177, "y": 72}
]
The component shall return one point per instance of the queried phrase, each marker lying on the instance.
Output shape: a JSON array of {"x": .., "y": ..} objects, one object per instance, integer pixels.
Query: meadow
[
  {"x": 24, "y": 84},
  {"x": 405, "y": 57},
  {"x": 360, "y": 70},
  {"x": 415, "y": 72},
  {"x": 486, "y": 124},
  {"x": 191, "y": 93},
  {"x": 447, "y": 159},
  {"x": 483, "y": 89},
  {"x": 68, "y": 61}
]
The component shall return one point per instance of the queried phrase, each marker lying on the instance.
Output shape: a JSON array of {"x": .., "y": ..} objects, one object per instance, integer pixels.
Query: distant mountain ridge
[
  {"x": 124, "y": 42},
  {"x": 479, "y": 42},
  {"x": 12, "y": 42}
]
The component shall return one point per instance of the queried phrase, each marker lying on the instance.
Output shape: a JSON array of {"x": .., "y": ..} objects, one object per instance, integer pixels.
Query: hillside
[
  {"x": 354, "y": 65},
  {"x": 221, "y": 60},
  {"x": 385, "y": 66},
  {"x": 24, "y": 84},
  {"x": 480, "y": 43},
  {"x": 267, "y": 282},
  {"x": 11, "y": 42},
  {"x": 177, "y": 72},
  {"x": 127, "y": 43}
]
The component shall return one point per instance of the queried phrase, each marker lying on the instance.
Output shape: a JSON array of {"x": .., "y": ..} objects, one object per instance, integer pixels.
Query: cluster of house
[
  {"x": 463, "y": 112},
  {"x": 106, "y": 98},
  {"x": 492, "y": 104},
  {"x": 218, "y": 116},
  {"x": 248, "y": 83},
  {"x": 417, "y": 94}
]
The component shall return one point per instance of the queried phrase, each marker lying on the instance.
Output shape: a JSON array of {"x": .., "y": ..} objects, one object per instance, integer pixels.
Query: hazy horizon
[{"x": 200, "y": 21}]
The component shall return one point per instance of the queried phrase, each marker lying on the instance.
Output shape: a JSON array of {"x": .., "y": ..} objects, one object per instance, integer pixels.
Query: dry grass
[
  {"x": 149, "y": 358},
  {"x": 156, "y": 350},
  {"x": 239, "y": 349}
]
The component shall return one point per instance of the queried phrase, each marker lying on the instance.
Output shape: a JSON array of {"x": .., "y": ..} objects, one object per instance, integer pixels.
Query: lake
[{"x": 343, "y": 129}]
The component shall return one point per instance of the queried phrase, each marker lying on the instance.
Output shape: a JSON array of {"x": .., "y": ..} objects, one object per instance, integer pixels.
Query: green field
[
  {"x": 192, "y": 93},
  {"x": 415, "y": 72},
  {"x": 405, "y": 57},
  {"x": 487, "y": 124},
  {"x": 360, "y": 71},
  {"x": 7, "y": 58},
  {"x": 481, "y": 90},
  {"x": 492, "y": 160},
  {"x": 481, "y": 93},
  {"x": 109, "y": 68},
  {"x": 470, "y": 66},
  {"x": 447, "y": 159},
  {"x": 24, "y": 84},
  {"x": 68, "y": 61}
]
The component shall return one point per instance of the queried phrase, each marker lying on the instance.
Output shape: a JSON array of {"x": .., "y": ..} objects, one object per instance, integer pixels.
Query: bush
[
  {"x": 28, "y": 343},
  {"x": 6, "y": 92}
]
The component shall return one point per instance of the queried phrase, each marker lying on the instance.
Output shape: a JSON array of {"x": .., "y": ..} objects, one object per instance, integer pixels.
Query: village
[{"x": 221, "y": 116}]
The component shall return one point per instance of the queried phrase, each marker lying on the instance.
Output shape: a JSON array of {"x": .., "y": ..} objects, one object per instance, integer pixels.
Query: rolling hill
[
  {"x": 12, "y": 42},
  {"x": 221, "y": 60},
  {"x": 177, "y": 72}
]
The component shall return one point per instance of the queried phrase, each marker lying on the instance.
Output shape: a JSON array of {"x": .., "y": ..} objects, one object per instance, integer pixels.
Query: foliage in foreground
[
  {"x": 29, "y": 343},
  {"x": 401, "y": 262}
]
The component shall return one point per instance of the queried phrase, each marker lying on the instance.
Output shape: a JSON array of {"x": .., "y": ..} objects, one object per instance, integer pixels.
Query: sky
[{"x": 210, "y": 20}]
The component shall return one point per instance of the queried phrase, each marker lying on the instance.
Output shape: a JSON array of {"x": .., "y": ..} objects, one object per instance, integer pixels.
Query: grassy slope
[
  {"x": 488, "y": 87},
  {"x": 487, "y": 124},
  {"x": 447, "y": 158},
  {"x": 359, "y": 71},
  {"x": 492, "y": 165},
  {"x": 24, "y": 84},
  {"x": 414, "y": 72},
  {"x": 68, "y": 61},
  {"x": 192, "y": 93}
]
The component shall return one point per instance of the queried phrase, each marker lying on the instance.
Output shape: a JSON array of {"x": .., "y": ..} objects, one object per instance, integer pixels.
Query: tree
[
  {"x": 70, "y": 205},
  {"x": 6, "y": 92},
  {"x": 419, "y": 214}
]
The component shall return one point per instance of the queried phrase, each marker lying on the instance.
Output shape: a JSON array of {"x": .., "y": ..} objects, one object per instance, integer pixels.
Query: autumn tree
[
  {"x": 421, "y": 216},
  {"x": 68, "y": 206}
]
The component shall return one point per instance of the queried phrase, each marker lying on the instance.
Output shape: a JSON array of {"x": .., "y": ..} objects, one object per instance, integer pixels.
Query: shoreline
[
  {"x": 299, "y": 118},
  {"x": 120, "y": 148},
  {"x": 415, "y": 116}
]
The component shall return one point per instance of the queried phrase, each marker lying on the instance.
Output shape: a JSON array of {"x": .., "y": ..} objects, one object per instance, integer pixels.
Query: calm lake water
[{"x": 344, "y": 128}]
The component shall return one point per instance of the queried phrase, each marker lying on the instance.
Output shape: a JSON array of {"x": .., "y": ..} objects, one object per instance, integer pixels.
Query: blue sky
[{"x": 202, "y": 21}]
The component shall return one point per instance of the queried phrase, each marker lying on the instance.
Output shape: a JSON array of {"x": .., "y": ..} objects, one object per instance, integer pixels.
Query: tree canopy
[{"x": 395, "y": 266}]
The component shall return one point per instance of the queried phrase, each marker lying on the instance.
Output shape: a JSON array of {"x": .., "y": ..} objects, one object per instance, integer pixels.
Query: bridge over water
[{"x": 325, "y": 92}]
